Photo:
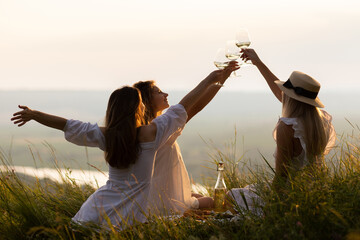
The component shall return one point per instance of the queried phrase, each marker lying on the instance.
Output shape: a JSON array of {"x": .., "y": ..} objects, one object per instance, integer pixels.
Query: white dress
[
  {"x": 171, "y": 187},
  {"x": 126, "y": 197},
  {"x": 248, "y": 193}
]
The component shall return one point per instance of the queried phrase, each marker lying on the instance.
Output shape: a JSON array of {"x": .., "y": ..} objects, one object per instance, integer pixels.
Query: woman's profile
[{"x": 172, "y": 187}]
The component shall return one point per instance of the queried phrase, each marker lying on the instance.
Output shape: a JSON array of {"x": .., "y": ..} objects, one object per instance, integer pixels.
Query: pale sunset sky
[{"x": 102, "y": 45}]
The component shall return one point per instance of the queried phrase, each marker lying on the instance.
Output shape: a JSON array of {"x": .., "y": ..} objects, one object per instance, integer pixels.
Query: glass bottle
[{"x": 220, "y": 189}]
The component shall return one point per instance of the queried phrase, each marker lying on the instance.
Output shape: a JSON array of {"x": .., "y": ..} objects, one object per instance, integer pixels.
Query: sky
[{"x": 102, "y": 45}]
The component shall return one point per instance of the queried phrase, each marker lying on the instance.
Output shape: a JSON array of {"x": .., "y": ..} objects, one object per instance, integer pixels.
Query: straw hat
[{"x": 301, "y": 87}]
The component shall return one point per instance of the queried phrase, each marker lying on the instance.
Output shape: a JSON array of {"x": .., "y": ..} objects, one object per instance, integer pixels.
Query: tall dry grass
[{"x": 321, "y": 206}]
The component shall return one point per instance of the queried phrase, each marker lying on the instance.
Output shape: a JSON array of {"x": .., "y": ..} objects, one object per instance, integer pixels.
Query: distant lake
[{"x": 252, "y": 114}]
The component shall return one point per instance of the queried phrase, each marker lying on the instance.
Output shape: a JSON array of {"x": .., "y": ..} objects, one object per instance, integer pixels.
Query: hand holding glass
[
  {"x": 243, "y": 40},
  {"x": 220, "y": 60},
  {"x": 232, "y": 52}
]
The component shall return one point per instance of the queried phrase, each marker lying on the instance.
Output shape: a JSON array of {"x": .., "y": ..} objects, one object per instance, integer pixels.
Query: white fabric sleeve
[
  {"x": 84, "y": 134},
  {"x": 298, "y": 128},
  {"x": 173, "y": 120},
  {"x": 330, "y": 131}
]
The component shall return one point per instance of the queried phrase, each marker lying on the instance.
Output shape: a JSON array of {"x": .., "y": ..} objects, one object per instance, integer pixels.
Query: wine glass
[
  {"x": 220, "y": 60},
  {"x": 243, "y": 41},
  {"x": 232, "y": 52}
]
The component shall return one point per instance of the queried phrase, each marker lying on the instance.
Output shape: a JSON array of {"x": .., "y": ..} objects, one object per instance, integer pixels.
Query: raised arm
[
  {"x": 208, "y": 95},
  {"x": 202, "y": 94},
  {"x": 250, "y": 54},
  {"x": 27, "y": 114},
  {"x": 203, "y": 101}
]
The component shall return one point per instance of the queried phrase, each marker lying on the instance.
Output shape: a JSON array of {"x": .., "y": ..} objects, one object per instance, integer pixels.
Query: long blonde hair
[{"x": 315, "y": 128}]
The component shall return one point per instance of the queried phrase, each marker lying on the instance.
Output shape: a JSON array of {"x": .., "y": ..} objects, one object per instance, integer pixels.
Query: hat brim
[{"x": 291, "y": 93}]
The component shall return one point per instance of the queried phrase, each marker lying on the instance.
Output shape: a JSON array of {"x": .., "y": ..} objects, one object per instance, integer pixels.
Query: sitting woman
[
  {"x": 171, "y": 183},
  {"x": 304, "y": 134},
  {"x": 130, "y": 148}
]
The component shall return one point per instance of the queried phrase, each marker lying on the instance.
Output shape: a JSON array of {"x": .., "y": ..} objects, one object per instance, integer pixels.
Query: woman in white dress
[
  {"x": 130, "y": 148},
  {"x": 171, "y": 183},
  {"x": 304, "y": 134}
]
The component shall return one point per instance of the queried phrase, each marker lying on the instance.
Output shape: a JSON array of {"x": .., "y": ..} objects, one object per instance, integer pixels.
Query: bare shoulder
[
  {"x": 147, "y": 133},
  {"x": 284, "y": 131}
]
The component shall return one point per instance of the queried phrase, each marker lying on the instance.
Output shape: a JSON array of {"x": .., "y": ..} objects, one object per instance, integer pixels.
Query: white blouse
[
  {"x": 171, "y": 186},
  {"x": 126, "y": 197},
  {"x": 299, "y": 132}
]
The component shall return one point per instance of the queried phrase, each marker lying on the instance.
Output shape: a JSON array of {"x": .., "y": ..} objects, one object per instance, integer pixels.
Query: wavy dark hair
[
  {"x": 123, "y": 117},
  {"x": 146, "y": 88}
]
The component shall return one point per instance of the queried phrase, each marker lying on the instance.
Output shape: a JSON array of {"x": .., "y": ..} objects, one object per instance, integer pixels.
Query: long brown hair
[
  {"x": 316, "y": 136},
  {"x": 146, "y": 88},
  {"x": 123, "y": 117}
]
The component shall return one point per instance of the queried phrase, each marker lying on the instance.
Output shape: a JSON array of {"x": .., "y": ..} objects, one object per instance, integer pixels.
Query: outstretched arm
[
  {"x": 27, "y": 114},
  {"x": 250, "y": 54},
  {"x": 205, "y": 91}
]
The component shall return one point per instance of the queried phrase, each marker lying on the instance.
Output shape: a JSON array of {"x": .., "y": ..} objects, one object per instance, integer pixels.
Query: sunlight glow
[{"x": 105, "y": 44}]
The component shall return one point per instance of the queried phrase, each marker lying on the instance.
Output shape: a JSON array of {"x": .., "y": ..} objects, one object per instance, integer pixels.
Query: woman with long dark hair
[{"x": 130, "y": 148}]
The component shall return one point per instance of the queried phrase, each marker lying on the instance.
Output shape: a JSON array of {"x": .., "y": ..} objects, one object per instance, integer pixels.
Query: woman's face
[{"x": 158, "y": 99}]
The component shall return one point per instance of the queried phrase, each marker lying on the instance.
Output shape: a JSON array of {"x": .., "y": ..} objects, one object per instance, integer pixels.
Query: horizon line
[{"x": 330, "y": 89}]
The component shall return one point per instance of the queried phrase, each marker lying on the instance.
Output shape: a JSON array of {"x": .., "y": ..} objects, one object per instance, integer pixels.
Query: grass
[{"x": 321, "y": 206}]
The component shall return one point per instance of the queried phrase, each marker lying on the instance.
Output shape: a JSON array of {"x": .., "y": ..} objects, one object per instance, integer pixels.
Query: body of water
[{"x": 252, "y": 114}]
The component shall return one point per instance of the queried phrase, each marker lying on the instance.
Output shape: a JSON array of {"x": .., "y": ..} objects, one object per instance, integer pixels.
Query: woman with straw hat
[{"x": 304, "y": 134}]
